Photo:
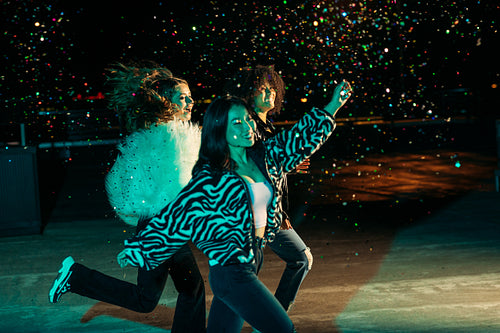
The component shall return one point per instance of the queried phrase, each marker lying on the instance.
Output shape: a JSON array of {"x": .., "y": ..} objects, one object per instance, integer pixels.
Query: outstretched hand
[
  {"x": 341, "y": 94},
  {"x": 122, "y": 259}
]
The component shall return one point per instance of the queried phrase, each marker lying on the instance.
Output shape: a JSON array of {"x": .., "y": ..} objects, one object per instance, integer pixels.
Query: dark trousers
[
  {"x": 290, "y": 248},
  {"x": 190, "y": 311},
  {"x": 240, "y": 296}
]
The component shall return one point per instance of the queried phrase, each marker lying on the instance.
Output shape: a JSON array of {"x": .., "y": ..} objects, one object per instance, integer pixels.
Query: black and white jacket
[{"x": 214, "y": 209}]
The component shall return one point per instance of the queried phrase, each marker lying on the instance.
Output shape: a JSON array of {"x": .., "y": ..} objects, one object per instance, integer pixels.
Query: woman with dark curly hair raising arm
[{"x": 263, "y": 89}]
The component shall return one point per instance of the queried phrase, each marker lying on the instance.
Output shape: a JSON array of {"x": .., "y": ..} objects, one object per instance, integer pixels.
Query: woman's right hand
[
  {"x": 122, "y": 259},
  {"x": 341, "y": 94}
]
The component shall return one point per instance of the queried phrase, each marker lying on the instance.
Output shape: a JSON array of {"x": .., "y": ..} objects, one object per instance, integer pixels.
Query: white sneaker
[{"x": 61, "y": 285}]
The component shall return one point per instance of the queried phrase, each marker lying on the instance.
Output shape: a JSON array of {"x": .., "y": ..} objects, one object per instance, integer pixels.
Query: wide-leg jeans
[
  {"x": 290, "y": 248},
  {"x": 190, "y": 310}
]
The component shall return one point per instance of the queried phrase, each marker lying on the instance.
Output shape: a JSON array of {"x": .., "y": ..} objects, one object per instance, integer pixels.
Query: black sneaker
[{"x": 61, "y": 285}]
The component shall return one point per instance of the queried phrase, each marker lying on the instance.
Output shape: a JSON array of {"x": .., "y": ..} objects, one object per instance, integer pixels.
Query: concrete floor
[{"x": 412, "y": 246}]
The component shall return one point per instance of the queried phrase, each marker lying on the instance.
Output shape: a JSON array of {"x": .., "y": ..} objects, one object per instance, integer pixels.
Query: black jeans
[
  {"x": 190, "y": 311},
  {"x": 240, "y": 296}
]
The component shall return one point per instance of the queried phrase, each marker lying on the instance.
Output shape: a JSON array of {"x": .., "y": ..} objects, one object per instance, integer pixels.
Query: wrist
[{"x": 332, "y": 108}]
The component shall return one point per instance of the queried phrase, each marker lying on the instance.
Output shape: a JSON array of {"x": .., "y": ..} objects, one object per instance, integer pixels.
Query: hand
[
  {"x": 303, "y": 168},
  {"x": 122, "y": 259},
  {"x": 341, "y": 94}
]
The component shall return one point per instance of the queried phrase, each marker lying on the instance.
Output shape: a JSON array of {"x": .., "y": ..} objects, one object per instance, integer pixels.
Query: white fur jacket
[{"x": 151, "y": 169}]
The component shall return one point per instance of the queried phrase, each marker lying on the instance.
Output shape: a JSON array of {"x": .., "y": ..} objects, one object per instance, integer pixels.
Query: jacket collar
[{"x": 258, "y": 154}]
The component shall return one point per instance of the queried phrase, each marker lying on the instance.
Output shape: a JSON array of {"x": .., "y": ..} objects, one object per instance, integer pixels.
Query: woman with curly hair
[
  {"x": 154, "y": 163},
  {"x": 263, "y": 89}
]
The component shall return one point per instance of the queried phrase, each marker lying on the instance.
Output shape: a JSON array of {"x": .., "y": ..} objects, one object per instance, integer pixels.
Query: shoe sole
[{"x": 58, "y": 284}]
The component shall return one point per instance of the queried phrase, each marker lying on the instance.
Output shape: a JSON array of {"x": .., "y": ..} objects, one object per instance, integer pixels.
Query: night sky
[{"x": 405, "y": 59}]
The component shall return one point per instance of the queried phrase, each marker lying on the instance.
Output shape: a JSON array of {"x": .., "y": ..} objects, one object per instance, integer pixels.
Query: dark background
[
  {"x": 405, "y": 59},
  {"x": 425, "y": 73}
]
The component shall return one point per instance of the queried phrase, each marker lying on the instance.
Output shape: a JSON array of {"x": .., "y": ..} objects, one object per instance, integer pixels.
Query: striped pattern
[{"x": 214, "y": 210}]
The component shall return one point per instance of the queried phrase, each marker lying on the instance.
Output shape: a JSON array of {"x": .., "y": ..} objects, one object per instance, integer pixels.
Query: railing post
[{"x": 497, "y": 171}]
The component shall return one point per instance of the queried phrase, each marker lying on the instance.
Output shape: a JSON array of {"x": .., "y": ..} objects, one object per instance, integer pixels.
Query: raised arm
[{"x": 290, "y": 147}]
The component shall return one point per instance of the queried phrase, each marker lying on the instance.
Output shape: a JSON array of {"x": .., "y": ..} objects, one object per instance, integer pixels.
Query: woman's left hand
[{"x": 341, "y": 94}]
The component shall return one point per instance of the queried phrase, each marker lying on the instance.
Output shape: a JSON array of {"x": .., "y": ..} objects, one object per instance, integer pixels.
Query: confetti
[
  {"x": 407, "y": 61},
  {"x": 399, "y": 56}
]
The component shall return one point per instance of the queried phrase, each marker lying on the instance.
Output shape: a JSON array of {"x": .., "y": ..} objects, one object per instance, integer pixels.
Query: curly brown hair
[
  {"x": 248, "y": 80},
  {"x": 141, "y": 94}
]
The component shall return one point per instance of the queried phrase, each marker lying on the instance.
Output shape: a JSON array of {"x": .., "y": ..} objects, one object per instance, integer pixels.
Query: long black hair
[{"x": 214, "y": 150}]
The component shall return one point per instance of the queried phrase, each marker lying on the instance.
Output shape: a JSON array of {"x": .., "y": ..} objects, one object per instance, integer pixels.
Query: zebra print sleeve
[
  {"x": 290, "y": 147},
  {"x": 166, "y": 232}
]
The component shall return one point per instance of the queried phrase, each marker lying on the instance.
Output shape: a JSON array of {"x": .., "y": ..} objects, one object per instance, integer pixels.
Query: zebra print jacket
[{"x": 214, "y": 209}]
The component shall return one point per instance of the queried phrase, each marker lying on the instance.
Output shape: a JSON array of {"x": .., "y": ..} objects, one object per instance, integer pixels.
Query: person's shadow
[{"x": 162, "y": 316}]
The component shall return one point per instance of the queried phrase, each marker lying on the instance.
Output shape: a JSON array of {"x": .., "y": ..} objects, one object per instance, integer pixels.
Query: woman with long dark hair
[{"x": 229, "y": 209}]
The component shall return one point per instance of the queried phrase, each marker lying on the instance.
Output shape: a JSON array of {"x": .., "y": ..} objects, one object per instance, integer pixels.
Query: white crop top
[{"x": 261, "y": 194}]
